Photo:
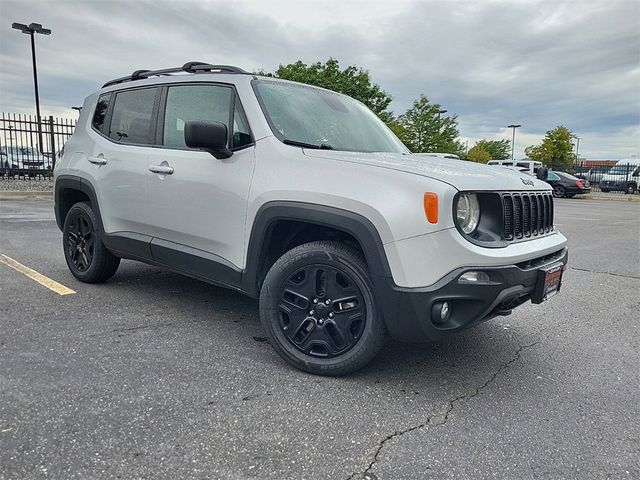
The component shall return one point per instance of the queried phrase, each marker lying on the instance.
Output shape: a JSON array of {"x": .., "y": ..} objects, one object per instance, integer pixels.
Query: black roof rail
[{"x": 189, "y": 67}]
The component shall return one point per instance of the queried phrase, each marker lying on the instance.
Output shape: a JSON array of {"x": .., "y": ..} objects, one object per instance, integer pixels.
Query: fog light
[
  {"x": 444, "y": 311},
  {"x": 474, "y": 277},
  {"x": 440, "y": 312}
]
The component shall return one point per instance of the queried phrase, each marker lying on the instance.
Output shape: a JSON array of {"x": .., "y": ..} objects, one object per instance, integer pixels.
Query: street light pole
[
  {"x": 35, "y": 76},
  {"x": 441, "y": 111},
  {"x": 31, "y": 30},
  {"x": 513, "y": 138},
  {"x": 577, "y": 149}
]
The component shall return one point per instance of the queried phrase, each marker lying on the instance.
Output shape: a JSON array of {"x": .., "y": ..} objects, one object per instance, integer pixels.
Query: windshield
[
  {"x": 310, "y": 117},
  {"x": 622, "y": 169}
]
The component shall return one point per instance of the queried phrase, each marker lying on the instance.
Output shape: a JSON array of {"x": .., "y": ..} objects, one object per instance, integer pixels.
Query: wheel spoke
[
  {"x": 296, "y": 299},
  {"x": 319, "y": 278},
  {"x": 336, "y": 337},
  {"x": 84, "y": 227},
  {"x": 89, "y": 244},
  {"x": 294, "y": 319},
  {"x": 301, "y": 334},
  {"x": 340, "y": 285}
]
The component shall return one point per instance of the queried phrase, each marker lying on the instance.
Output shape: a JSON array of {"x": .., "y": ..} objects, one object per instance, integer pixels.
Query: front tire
[
  {"x": 87, "y": 257},
  {"x": 318, "y": 309}
]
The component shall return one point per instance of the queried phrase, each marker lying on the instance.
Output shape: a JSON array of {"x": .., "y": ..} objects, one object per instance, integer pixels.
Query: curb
[
  {"x": 613, "y": 198},
  {"x": 18, "y": 195}
]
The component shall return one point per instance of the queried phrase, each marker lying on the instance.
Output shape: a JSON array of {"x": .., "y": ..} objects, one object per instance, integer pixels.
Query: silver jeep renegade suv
[{"x": 303, "y": 198}]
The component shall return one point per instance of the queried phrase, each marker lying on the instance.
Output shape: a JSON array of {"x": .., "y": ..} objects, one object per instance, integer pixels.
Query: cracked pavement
[{"x": 158, "y": 376}]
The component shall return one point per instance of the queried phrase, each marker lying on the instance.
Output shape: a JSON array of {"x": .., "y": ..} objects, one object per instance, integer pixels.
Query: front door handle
[
  {"x": 98, "y": 160},
  {"x": 161, "y": 169}
]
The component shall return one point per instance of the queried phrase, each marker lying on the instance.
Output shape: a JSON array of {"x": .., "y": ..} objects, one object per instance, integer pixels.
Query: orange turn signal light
[{"x": 431, "y": 206}]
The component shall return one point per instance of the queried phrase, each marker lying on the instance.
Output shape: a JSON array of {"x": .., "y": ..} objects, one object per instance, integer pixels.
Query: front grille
[{"x": 526, "y": 215}]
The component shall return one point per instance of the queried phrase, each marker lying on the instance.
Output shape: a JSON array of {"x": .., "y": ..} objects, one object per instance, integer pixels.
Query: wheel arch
[
  {"x": 70, "y": 189},
  {"x": 320, "y": 217}
]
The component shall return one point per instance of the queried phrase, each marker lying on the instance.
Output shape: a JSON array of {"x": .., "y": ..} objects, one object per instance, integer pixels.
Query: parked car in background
[
  {"x": 624, "y": 176},
  {"x": 566, "y": 185},
  {"x": 19, "y": 157},
  {"x": 530, "y": 165}
]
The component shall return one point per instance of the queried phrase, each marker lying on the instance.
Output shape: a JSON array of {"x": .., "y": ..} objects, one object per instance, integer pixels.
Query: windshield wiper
[{"x": 295, "y": 143}]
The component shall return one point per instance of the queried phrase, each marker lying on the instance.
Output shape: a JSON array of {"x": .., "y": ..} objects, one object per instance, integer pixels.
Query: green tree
[
  {"x": 352, "y": 81},
  {"x": 498, "y": 149},
  {"x": 555, "y": 150},
  {"x": 479, "y": 154},
  {"x": 422, "y": 129}
]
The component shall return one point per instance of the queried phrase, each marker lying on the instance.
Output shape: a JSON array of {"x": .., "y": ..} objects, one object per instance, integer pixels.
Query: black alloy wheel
[
  {"x": 318, "y": 309},
  {"x": 322, "y": 311},
  {"x": 80, "y": 241},
  {"x": 87, "y": 257}
]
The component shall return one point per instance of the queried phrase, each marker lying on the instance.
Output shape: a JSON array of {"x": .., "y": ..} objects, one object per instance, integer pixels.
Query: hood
[{"x": 460, "y": 174}]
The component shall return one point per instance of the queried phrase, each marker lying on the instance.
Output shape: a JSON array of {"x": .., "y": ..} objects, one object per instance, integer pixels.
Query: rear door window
[{"x": 131, "y": 121}]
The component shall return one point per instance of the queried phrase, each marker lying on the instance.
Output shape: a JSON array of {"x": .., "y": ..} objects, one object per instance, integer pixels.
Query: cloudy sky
[{"x": 538, "y": 63}]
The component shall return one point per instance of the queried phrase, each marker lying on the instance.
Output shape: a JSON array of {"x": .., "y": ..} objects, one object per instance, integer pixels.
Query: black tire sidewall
[
  {"x": 93, "y": 273},
  {"x": 371, "y": 338}
]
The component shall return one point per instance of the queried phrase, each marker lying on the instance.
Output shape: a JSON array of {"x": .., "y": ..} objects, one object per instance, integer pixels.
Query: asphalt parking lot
[{"x": 156, "y": 376}]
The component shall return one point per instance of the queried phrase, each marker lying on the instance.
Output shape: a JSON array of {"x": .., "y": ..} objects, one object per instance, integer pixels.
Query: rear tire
[
  {"x": 631, "y": 189},
  {"x": 87, "y": 257},
  {"x": 318, "y": 309},
  {"x": 559, "y": 191}
]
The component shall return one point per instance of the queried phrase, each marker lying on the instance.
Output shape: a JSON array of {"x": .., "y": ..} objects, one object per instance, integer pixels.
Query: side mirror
[{"x": 209, "y": 136}]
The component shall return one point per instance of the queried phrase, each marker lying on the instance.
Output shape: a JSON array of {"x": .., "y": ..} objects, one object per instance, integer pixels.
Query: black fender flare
[
  {"x": 73, "y": 182},
  {"x": 349, "y": 222}
]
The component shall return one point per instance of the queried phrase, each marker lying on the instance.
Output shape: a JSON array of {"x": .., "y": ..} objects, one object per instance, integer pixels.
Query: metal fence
[{"x": 29, "y": 149}]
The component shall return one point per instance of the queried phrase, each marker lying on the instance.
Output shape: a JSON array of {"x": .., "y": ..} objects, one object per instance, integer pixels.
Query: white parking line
[{"x": 38, "y": 277}]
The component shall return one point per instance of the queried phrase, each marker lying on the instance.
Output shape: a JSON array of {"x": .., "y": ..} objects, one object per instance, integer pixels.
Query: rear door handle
[
  {"x": 161, "y": 169},
  {"x": 98, "y": 160}
]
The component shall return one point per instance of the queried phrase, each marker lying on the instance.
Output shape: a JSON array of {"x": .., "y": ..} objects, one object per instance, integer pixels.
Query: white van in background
[
  {"x": 624, "y": 176},
  {"x": 530, "y": 165}
]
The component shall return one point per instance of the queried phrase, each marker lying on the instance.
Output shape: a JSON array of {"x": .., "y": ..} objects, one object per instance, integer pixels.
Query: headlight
[{"x": 468, "y": 212}]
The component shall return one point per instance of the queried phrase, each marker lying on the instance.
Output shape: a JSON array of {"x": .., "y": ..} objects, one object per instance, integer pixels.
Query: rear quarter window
[
  {"x": 131, "y": 120},
  {"x": 100, "y": 112}
]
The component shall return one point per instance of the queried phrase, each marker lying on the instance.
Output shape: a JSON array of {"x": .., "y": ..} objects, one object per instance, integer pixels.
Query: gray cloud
[{"x": 540, "y": 63}]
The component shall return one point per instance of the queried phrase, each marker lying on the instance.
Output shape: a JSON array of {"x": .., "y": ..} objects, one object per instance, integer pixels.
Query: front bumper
[{"x": 409, "y": 312}]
